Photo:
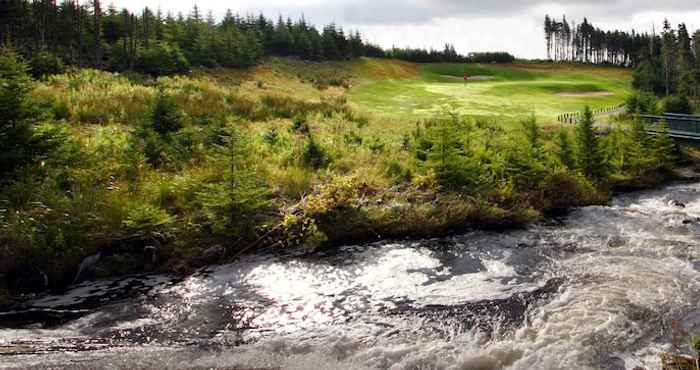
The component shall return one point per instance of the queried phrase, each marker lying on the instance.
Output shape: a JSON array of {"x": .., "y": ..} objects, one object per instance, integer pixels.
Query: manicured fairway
[{"x": 501, "y": 90}]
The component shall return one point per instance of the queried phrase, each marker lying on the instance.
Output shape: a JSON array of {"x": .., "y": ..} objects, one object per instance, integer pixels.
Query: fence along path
[{"x": 573, "y": 117}]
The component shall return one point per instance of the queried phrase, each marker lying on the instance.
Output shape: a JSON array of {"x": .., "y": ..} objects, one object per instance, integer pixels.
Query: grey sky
[{"x": 472, "y": 25}]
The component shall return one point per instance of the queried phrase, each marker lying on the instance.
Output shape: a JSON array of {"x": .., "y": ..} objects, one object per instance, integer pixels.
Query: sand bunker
[
  {"x": 471, "y": 78},
  {"x": 584, "y": 94}
]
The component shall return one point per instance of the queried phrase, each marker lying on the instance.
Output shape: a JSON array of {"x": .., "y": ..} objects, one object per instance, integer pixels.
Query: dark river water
[{"x": 606, "y": 288}]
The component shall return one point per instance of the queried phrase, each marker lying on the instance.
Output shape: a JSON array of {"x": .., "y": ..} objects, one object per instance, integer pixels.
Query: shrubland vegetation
[
  {"x": 112, "y": 145},
  {"x": 117, "y": 164}
]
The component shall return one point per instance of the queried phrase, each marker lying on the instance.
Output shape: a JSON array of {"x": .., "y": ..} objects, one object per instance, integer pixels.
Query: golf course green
[{"x": 512, "y": 90}]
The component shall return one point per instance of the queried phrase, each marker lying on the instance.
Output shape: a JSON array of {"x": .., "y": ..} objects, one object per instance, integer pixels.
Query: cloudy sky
[{"x": 472, "y": 25}]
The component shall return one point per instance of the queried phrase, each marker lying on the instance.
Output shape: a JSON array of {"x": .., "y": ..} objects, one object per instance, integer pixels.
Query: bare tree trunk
[{"x": 97, "y": 9}]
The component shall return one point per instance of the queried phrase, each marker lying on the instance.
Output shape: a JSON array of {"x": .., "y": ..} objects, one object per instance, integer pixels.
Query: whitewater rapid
[{"x": 604, "y": 288}]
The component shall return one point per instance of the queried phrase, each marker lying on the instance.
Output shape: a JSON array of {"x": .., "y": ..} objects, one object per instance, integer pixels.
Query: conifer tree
[
  {"x": 664, "y": 148},
  {"x": 686, "y": 62},
  {"x": 640, "y": 145},
  {"x": 670, "y": 57},
  {"x": 565, "y": 150},
  {"x": 19, "y": 142},
  {"x": 591, "y": 160},
  {"x": 533, "y": 137},
  {"x": 548, "y": 31},
  {"x": 232, "y": 201}
]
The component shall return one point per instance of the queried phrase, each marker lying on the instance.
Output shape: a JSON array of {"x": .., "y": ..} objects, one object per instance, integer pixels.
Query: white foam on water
[{"x": 629, "y": 271}]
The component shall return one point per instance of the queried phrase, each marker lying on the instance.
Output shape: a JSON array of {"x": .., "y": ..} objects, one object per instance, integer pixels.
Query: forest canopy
[
  {"x": 52, "y": 34},
  {"x": 666, "y": 63}
]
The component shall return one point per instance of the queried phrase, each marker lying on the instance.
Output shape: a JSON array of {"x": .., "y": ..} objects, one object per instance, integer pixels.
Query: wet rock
[
  {"x": 150, "y": 256},
  {"x": 182, "y": 268},
  {"x": 150, "y": 252},
  {"x": 675, "y": 203},
  {"x": 28, "y": 280},
  {"x": 213, "y": 254},
  {"x": 87, "y": 265},
  {"x": 616, "y": 241}
]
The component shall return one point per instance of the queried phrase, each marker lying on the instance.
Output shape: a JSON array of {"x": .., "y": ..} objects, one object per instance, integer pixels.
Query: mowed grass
[{"x": 514, "y": 90}]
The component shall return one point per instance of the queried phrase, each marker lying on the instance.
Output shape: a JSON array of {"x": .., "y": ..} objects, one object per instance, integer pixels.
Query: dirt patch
[
  {"x": 584, "y": 94},
  {"x": 471, "y": 78}
]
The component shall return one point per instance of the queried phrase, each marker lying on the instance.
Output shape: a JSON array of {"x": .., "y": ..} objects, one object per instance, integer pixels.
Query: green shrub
[
  {"x": 314, "y": 155},
  {"x": 376, "y": 145},
  {"x": 162, "y": 59},
  {"x": 590, "y": 156},
  {"x": 147, "y": 220},
  {"x": 649, "y": 76},
  {"x": 454, "y": 166},
  {"x": 166, "y": 117},
  {"x": 352, "y": 138},
  {"x": 301, "y": 231},
  {"x": 421, "y": 155},
  {"x": 146, "y": 141},
  {"x": 20, "y": 142},
  {"x": 155, "y": 137},
  {"x": 271, "y": 137},
  {"x": 61, "y": 111},
  {"x": 565, "y": 149},
  {"x": 45, "y": 63},
  {"x": 642, "y": 103},
  {"x": 533, "y": 137},
  {"x": 397, "y": 171},
  {"x": 664, "y": 148},
  {"x": 299, "y": 126},
  {"x": 676, "y": 104},
  {"x": 233, "y": 201}
]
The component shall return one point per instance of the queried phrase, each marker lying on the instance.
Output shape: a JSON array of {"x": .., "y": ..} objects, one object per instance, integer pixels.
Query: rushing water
[{"x": 601, "y": 290}]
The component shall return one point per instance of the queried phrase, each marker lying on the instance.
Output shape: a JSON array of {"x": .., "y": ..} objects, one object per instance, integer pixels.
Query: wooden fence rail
[{"x": 573, "y": 117}]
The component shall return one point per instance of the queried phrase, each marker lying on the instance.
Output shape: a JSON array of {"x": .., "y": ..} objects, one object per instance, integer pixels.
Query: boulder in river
[
  {"x": 675, "y": 203},
  {"x": 87, "y": 265},
  {"x": 213, "y": 254},
  {"x": 31, "y": 280}
]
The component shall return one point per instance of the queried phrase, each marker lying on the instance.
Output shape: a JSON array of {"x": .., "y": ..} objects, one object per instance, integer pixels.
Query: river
[{"x": 603, "y": 288}]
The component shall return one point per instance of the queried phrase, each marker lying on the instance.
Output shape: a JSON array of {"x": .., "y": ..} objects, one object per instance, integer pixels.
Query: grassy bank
[{"x": 152, "y": 174}]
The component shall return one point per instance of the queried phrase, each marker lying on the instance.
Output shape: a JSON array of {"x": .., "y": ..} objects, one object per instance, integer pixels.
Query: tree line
[
  {"x": 586, "y": 43},
  {"x": 447, "y": 55},
  {"x": 52, "y": 34},
  {"x": 671, "y": 63},
  {"x": 665, "y": 64},
  {"x": 86, "y": 35}
]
